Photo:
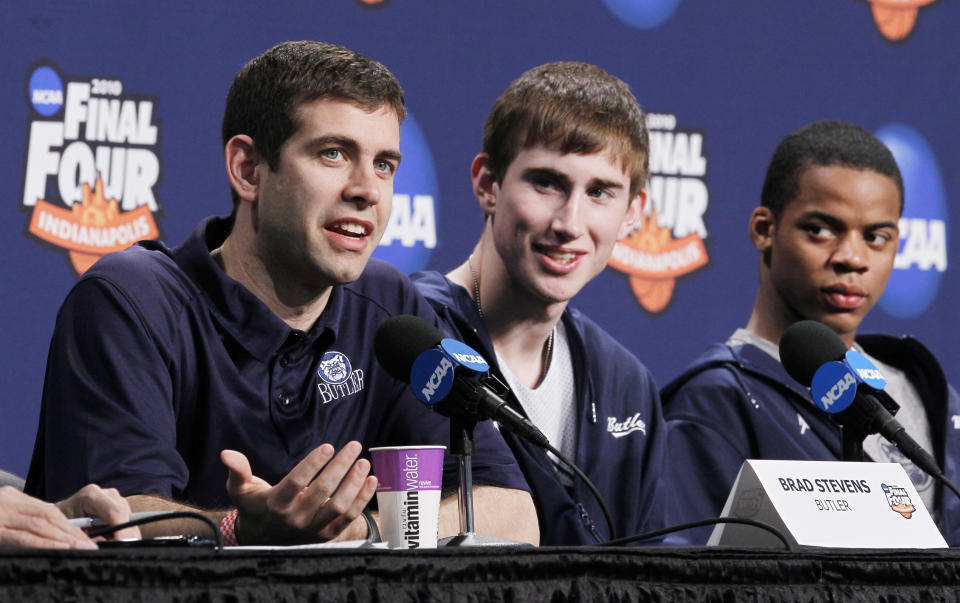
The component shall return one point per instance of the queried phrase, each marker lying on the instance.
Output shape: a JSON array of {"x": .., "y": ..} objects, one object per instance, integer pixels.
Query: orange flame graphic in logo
[
  {"x": 93, "y": 227},
  {"x": 896, "y": 18},
  {"x": 654, "y": 260},
  {"x": 905, "y": 509}
]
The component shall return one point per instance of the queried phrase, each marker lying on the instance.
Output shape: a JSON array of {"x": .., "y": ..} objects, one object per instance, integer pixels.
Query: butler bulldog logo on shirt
[
  {"x": 337, "y": 377},
  {"x": 668, "y": 242},
  {"x": 895, "y": 18},
  {"x": 92, "y": 165}
]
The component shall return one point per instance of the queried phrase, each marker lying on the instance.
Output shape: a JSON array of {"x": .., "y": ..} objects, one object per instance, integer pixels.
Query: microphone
[
  {"x": 414, "y": 351},
  {"x": 845, "y": 383}
]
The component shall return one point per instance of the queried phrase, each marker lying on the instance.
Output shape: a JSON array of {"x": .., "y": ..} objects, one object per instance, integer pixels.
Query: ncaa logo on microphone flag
[
  {"x": 865, "y": 370},
  {"x": 834, "y": 387},
  {"x": 465, "y": 355},
  {"x": 92, "y": 165},
  {"x": 431, "y": 376},
  {"x": 668, "y": 242},
  {"x": 922, "y": 255},
  {"x": 411, "y": 234}
]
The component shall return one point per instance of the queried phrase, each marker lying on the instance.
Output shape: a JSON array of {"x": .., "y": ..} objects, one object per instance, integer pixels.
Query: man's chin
[{"x": 843, "y": 324}]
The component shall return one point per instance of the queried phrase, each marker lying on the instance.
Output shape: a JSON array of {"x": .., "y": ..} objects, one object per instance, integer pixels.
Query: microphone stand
[
  {"x": 853, "y": 443},
  {"x": 462, "y": 445}
]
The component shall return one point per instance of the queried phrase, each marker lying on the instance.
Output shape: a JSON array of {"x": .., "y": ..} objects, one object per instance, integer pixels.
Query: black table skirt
[{"x": 545, "y": 574}]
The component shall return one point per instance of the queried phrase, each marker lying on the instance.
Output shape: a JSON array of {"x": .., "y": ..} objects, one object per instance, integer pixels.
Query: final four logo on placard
[
  {"x": 92, "y": 165},
  {"x": 899, "y": 500}
]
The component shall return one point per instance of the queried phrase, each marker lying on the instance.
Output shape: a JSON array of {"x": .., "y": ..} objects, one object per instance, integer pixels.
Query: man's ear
[
  {"x": 484, "y": 183},
  {"x": 762, "y": 228},
  {"x": 242, "y": 161},
  {"x": 634, "y": 212}
]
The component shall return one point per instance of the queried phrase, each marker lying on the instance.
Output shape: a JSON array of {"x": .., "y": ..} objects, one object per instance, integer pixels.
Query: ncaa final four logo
[
  {"x": 92, "y": 165},
  {"x": 668, "y": 242}
]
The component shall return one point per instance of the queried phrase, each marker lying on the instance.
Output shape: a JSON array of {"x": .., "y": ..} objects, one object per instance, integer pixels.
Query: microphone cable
[
  {"x": 702, "y": 522},
  {"x": 104, "y": 530}
]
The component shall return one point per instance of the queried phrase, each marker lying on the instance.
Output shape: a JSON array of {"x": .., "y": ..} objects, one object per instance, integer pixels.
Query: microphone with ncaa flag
[
  {"x": 414, "y": 351},
  {"x": 846, "y": 384}
]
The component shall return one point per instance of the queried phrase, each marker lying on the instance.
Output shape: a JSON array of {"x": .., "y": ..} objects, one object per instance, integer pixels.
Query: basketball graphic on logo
[{"x": 896, "y": 18}]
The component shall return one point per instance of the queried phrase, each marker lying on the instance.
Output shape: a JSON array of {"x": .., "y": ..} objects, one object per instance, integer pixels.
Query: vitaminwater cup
[{"x": 409, "y": 494}]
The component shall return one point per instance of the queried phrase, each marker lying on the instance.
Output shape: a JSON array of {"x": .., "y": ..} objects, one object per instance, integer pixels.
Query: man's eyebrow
[
  {"x": 334, "y": 140},
  {"x": 548, "y": 173},
  {"x": 603, "y": 183},
  {"x": 390, "y": 155},
  {"x": 822, "y": 216}
]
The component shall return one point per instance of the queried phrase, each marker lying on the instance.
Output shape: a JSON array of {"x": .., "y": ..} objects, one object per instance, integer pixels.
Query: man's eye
[
  {"x": 878, "y": 238},
  {"x": 818, "y": 230},
  {"x": 599, "y": 193},
  {"x": 331, "y": 153},
  {"x": 543, "y": 183},
  {"x": 383, "y": 166}
]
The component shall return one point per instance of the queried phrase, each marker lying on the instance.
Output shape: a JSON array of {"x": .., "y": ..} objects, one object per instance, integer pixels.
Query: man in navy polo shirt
[
  {"x": 561, "y": 178},
  {"x": 245, "y": 355}
]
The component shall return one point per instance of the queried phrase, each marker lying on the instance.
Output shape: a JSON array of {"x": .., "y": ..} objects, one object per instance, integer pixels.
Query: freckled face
[{"x": 557, "y": 217}]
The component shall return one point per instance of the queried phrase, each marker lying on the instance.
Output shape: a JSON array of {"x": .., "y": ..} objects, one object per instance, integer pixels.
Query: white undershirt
[{"x": 552, "y": 405}]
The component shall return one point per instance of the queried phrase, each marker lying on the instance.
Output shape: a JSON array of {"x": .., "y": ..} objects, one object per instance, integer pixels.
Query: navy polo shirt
[{"x": 159, "y": 361}]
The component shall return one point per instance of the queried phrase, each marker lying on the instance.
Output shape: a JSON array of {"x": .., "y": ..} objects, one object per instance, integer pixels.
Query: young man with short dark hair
[
  {"x": 245, "y": 355},
  {"x": 827, "y": 233},
  {"x": 561, "y": 178}
]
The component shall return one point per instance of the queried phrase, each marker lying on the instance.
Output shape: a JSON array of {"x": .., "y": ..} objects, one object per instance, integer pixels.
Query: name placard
[{"x": 829, "y": 504}]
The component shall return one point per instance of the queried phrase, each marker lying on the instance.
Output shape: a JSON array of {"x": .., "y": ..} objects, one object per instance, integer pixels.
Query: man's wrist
[{"x": 228, "y": 528}]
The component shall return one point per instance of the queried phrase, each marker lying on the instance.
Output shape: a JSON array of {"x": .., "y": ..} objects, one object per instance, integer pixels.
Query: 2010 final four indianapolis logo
[
  {"x": 668, "y": 241},
  {"x": 92, "y": 165}
]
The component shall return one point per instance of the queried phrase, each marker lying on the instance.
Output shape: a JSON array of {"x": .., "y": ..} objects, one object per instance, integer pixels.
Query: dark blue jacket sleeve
[
  {"x": 951, "y": 467},
  {"x": 706, "y": 444},
  {"x": 107, "y": 414}
]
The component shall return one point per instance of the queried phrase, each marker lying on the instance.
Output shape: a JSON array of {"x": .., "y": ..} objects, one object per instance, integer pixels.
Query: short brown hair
[
  {"x": 571, "y": 107},
  {"x": 266, "y": 93}
]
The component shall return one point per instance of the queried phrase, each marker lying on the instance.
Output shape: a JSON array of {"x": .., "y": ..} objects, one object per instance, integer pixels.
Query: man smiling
[
  {"x": 827, "y": 235},
  {"x": 561, "y": 178},
  {"x": 248, "y": 348}
]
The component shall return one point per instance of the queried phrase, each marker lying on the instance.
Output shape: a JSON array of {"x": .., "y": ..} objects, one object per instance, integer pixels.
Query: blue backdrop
[{"x": 135, "y": 93}]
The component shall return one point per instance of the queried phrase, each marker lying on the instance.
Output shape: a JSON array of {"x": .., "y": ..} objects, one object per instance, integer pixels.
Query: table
[{"x": 493, "y": 574}]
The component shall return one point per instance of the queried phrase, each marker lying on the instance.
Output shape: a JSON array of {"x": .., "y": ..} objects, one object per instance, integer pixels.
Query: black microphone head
[
  {"x": 805, "y": 346},
  {"x": 400, "y": 339}
]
